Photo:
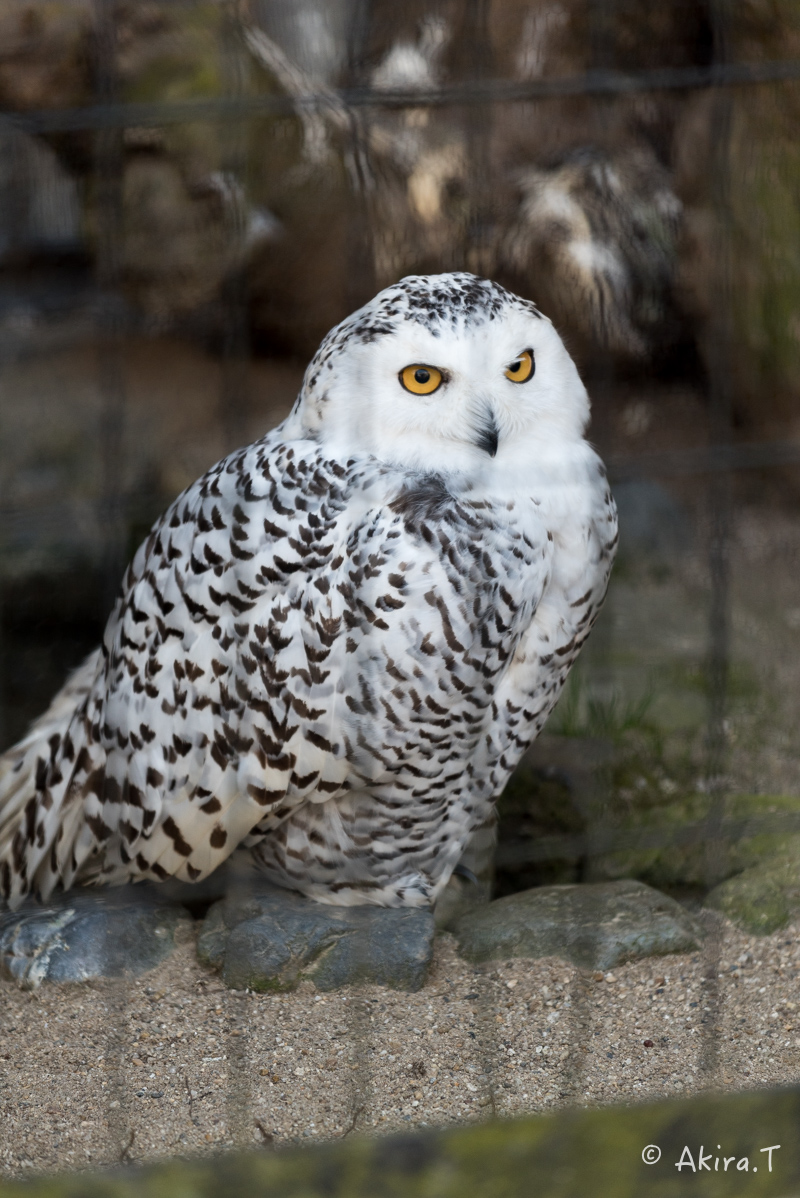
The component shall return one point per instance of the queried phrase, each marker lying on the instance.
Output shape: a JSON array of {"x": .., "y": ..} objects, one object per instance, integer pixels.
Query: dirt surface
[{"x": 174, "y": 1064}]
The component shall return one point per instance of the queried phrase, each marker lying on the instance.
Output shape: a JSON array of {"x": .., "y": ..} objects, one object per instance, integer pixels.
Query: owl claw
[{"x": 464, "y": 871}]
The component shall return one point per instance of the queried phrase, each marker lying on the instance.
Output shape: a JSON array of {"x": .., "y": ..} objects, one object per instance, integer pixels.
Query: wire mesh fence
[{"x": 190, "y": 195}]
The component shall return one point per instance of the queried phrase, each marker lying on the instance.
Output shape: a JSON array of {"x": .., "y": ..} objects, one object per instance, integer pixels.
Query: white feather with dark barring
[{"x": 336, "y": 645}]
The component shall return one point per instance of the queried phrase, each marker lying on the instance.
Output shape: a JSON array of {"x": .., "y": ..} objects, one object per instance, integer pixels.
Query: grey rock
[
  {"x": 595, "y": 925},
  {"x": 82, "y": 936},
  {"x": 272, "y": 939}
]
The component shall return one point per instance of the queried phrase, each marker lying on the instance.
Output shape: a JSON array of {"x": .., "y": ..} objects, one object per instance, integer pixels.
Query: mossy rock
[
  {"x": 682, "y": 862},
  {"x": 765, "y": 897},
  {"x": 569, "y": 1154}
]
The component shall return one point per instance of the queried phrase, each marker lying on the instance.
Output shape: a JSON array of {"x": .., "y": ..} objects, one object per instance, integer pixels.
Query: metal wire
[
  {"x": 490, "y": 91},
  {"x": 704, "y": 460},
  {"x": 602, "y": 839},
  {"x": 108, "y": 165},
  {"x": 715, "y": 462},
  {"x": 720, "y": 504}
]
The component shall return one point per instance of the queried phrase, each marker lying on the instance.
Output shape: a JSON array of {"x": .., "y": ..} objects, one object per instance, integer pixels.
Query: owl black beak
[{"x": 488, "y": 435}]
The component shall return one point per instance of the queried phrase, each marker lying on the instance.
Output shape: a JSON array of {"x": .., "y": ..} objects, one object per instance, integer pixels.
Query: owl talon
[{"x": 464, "y": 871}]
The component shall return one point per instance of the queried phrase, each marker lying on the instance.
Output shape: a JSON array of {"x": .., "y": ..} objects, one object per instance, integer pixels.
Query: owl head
[{"x": 446, "y": 372}]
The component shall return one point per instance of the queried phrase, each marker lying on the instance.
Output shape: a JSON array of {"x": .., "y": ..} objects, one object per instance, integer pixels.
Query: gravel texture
[{"x": 175, "y": 1063}]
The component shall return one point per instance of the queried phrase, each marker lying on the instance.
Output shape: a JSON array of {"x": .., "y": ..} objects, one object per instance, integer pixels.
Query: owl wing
[
  {"x": 502, "y": 597},
  {"x": 584, "y": 531},
  {"x": 293, "y": 628}
]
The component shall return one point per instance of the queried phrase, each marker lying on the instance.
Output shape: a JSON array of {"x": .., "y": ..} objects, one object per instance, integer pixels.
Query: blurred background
[{"x": 192, "y": 192}]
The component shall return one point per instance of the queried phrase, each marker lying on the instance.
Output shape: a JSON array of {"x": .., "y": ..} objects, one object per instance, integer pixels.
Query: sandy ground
[{"x": 174, "y": 1063}]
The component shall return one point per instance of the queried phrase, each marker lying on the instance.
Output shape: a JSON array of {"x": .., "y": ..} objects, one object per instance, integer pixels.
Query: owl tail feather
[{"x": 33, "y": 823}]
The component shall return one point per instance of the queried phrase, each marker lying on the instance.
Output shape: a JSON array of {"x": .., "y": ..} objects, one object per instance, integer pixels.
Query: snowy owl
[{"x": 336, "y": 645}]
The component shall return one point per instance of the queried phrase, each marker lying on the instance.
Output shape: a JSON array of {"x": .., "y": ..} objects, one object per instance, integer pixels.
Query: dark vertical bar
[
  {"x": 240, "y": 1118},
  {"x": 108, "y": 165},
  {"x": 110, "y": 328},
  {"x": 602, "y": 34},
  {"x": 361, "y": 282},
  {"x": 19, "y": 195},
  {"x": 360, "y": 286},
  {"x": 358, "y": 1026},
  {"x": 234, "y": 398},
  {"x": 478, "y": 256},
  {"x": 720, "y": 514},
  {"x": 12, "y": 206},
  {"x": 2, "y": 635},
  {"x": 234, "y": 413},
  {"x": 597, "y": 659}
]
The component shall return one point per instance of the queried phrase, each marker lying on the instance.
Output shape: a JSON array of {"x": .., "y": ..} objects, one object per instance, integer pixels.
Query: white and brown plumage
[{"x": 336, "y": 645}]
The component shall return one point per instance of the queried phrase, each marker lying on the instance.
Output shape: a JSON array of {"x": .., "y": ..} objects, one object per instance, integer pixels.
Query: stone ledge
[
  {"x": 596, "y": 925},
  {"x": 80, "y": 936},
  {"x": 273, "y": 939}
]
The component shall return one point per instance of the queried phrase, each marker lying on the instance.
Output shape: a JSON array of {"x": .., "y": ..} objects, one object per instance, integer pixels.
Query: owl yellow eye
[
  {"x": 421, "y": 380},
  {"x": 522, "y": 369}
]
